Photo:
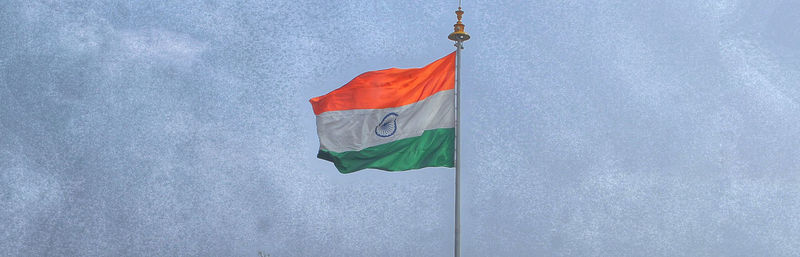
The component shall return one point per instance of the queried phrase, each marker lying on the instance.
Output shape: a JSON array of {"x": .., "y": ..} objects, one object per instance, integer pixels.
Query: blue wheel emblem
[{"x": 388, "y": 125}]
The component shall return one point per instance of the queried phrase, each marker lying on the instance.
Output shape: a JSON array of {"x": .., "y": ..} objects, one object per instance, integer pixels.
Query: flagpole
[
  {"x": 459, "y": 36},
  {"x": 458, "y": 152}
]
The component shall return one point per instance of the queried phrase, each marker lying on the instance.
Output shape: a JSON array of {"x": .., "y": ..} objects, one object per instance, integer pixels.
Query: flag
[{"x": 393, "y": 119}]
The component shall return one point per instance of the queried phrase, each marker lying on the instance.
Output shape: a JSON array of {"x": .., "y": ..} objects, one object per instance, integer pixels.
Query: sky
[{"x": 590, "y": 128}]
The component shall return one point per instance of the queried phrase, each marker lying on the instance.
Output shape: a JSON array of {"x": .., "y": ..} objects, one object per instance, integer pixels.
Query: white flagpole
[
  {"x": 459, "y": 36},
  {"x": 458, "y": 152}
]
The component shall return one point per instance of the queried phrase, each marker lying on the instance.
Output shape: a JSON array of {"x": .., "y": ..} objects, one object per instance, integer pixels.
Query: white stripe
[{"x": 352, "y": 130}]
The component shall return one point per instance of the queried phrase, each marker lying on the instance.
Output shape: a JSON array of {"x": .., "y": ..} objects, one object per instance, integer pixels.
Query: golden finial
[{"x": 458, "y": 29}]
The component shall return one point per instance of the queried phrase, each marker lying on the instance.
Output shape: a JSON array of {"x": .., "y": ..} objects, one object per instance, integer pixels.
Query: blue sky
[{"x": 591, "y": 128}]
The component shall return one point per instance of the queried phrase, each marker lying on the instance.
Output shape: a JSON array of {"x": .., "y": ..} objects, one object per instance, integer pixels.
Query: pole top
[{"x": 458, "y": 29}]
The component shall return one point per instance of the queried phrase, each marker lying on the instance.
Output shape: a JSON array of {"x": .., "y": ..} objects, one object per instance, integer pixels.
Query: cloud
[{"x": 159, "y": 44}]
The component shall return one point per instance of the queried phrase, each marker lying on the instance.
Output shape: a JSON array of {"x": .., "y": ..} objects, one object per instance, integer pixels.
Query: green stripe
[{"x": 434, "y": 148}]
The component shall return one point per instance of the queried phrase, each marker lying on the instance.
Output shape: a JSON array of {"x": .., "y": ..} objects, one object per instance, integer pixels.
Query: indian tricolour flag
[{"x": 393, "y": 119}]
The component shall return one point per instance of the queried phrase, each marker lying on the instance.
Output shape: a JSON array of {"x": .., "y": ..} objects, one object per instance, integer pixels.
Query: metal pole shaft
[{"x": 458, "y": 151}]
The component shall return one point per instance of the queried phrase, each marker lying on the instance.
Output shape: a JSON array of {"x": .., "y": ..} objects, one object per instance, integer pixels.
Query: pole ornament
[{"x": 458, "y": 29}]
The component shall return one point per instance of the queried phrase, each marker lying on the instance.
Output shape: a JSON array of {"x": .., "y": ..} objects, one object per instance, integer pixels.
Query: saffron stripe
[{"x": 389, "y": 88}]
